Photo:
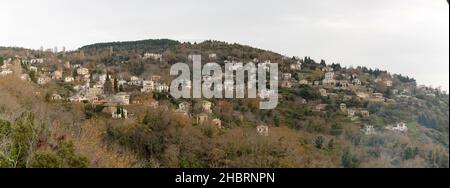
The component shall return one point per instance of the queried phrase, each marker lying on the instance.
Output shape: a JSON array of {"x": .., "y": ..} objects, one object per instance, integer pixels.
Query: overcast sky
[{"x": 410, "y": 37}]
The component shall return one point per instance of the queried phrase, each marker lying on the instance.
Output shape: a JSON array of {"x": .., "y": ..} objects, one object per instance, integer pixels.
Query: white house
[
  {"x": 56, "y": 97},
  {"x": 217, "y": 122},
  {"x": 148, "y": 86},
  {"x": 184, "y": 106},
  {"x": 262, "y": 130},
  {"x": 356, "y": 81},
  {"x": 212, "y": 56},
  {"x": 206, "y": 106},
  {"x": 121, "y": 82},
  {"x": 369, "y": 130},
  {"x": 6, "y": 72},
  {"x": 343, "y": 107},
  {"x": 120, "y": 113},
  {"x": 267, "y": 93},
  {"x": 388, "y": 83},
  {"x": 77, "y": 98},
  {"x": 68, "y": 79},
  {"x": 67, "y": 65},
  {"x": 95, "y": 91},
  {"x": 323, "y": 92},
  {"x": 296, "y": 66},
  {"x": 33, "y": 68},
  {"x": 43, "y": 80},
  {"x": 303, "y": 82},
  {"x": 362, "y": 95},
  {"x": 351, "y": 113},
  {"x": 399, "y": 127},
  {"x": 82, "y": 71},
  {"x": 162, "y": 87},
  {"x": 329, "y": 79},
  {"x": 286, "y": 84},
  {"x": 327, "y": 69},
  {"x": 25, "y": 77},
  {"x": 57, "y": 75},
  {"x": 287, "y": 76},
  {"x": 134, "y": 80},
  {"x": 103, "y": 77},
  {"x": 153, "y": 56}
]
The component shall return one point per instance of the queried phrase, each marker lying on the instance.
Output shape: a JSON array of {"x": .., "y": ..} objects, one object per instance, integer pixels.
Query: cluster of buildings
[
  {"x": 153, "y": 56},
  {"x": 90, "y": 87},
  {"x": 399, "y": 127},
  {"x": 4, "y": 69}
]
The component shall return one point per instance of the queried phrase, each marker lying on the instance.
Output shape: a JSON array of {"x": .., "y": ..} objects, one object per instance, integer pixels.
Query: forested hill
[
  {"x": 223, "y": 50},
  {"x": 147, "y": 45}
]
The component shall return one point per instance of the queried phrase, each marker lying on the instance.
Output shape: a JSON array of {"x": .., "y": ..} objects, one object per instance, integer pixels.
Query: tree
[
  {"x": 121, "y": 88},
  {"x": 33, "y": 76},
  {"x": 108, "y": 87},
  {"x": 410, "y": 153},
  {"x": 63, "y": 157},
  {"x": 427, "y": 121},
  {"x": 43, "y": 159},
  {"x": 74, "y": 73},
  {"x": 336, "y": 129},
  {"x": 331, "y": 144},
  {"x": 348, "y": 160},
  {"x": 318, "y": 142},
  {"x": 116, "y": 86},
  {"x": 23, "y": 136},
  {"x": 5, "y": 127}
]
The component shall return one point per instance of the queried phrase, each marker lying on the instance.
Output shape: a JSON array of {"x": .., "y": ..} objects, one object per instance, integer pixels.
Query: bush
[
  {"x": 5, "y": 127},
  {"x": 63, "y": 157},
  {"x": 44, "y": 159},
  {"x": 349, "y": 160}
]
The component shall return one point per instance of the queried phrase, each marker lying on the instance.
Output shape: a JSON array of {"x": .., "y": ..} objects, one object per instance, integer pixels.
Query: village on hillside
[
  {"x": 120, "y": 94},
  {"x": 332, "y": 102}
]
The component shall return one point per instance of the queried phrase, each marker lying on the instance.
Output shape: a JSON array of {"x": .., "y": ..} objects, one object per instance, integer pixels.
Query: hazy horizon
[{"x": 408, "y": 37}]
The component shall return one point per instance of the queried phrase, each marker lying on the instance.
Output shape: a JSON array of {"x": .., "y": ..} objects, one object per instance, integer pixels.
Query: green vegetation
[
  {"x": 156, "y": 46},
  {"x": 22, "y": 147}
]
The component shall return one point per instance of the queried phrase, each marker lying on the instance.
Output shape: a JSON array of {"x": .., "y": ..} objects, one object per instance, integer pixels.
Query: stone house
[
  {"x": 82, "y": 71},
  {"x": 262, "y": 130},
  {"x": 217, "y": 123},
  {"x": 68, "y": 79},
  {"x": 202, "y": 118},
  {"x": 205, "y": 106},
  {"x": 365, "y": 113},
  {"x": 119, "y": 113},
  {"x": 369, "y": 130},
  {"x": 399, "y": 127},
  {"x": 329, "y": 79},
  {"x": 343, "y": 107}
]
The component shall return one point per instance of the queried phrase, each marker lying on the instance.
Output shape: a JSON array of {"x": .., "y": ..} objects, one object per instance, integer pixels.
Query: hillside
[
  {"x": 96, "y": 102},
  {"x": 158, "y": 45}
]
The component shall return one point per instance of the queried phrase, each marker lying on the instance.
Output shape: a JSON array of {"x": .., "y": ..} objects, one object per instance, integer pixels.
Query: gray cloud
[{"x": 403, "y": 36}]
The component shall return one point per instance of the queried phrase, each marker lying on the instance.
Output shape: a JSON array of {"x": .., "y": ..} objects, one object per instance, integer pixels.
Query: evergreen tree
[
  {"x": 348, "y": 160},
  {"x": 116, "y": 85},
  {"x": 108, "y": 87},
  {"x": 318, "y": 142}
]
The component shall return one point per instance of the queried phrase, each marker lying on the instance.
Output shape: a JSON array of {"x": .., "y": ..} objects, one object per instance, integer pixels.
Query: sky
[{"x": 409, "y": 37}]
